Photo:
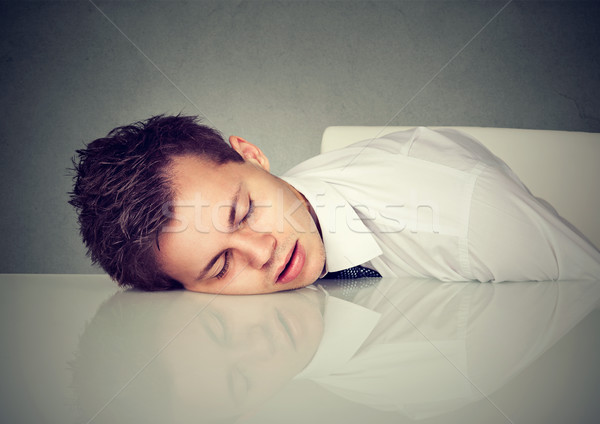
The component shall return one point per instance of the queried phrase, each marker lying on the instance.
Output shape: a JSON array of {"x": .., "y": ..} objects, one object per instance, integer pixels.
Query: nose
[{"x": 257, "y": 248}]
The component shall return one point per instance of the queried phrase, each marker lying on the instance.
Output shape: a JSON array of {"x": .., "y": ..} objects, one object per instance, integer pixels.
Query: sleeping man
[{"x": 166, "y": 203}]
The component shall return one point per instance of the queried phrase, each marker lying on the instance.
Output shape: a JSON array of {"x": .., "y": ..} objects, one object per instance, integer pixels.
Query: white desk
[{"x": 513, "y": 352}]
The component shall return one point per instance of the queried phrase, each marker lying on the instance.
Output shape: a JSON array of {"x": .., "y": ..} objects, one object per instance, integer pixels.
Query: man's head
[{"x": 166, "y": 203}]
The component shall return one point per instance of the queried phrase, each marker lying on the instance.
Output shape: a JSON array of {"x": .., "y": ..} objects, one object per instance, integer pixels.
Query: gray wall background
[{"x": 276, "y": 73}]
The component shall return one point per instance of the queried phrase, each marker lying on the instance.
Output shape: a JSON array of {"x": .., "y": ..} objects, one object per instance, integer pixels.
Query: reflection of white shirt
[
  {"x": 384, "y": 362},
  {"x": 345, "y": 328},
  {"x": 427, "y": 347},
  {"x": 436, "y": 204}
]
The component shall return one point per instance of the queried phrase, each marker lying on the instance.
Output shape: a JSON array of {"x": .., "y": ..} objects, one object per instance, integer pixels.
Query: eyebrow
[
  {"x": 234, "y": 203},
  {"x": 230, "y": 223}
]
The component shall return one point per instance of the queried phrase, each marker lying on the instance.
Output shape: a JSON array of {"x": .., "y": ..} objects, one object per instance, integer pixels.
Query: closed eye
[
  {"x": 227, "y": 260},
  {"x": 250, "y": 211},
  {"x": 223, "y": 271}
]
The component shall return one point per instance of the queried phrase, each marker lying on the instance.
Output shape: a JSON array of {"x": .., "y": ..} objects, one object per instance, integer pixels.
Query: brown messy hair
[{"x": 121, "y": 185}]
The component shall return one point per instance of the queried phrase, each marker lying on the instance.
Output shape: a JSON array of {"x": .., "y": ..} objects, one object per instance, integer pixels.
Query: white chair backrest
[{"x": 561, "y": 167}]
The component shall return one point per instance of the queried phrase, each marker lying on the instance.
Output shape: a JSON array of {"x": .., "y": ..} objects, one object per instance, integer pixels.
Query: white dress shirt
[{"x": 437, "y": 204}]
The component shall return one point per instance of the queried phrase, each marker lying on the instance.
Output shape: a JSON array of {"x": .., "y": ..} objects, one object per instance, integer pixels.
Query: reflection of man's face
[
  {"x": 241, "y": 349},
  {"x": 237, "y": 229}
]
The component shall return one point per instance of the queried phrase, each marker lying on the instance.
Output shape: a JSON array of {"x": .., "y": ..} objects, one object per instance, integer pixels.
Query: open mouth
[{"x": 293, "y": 266}]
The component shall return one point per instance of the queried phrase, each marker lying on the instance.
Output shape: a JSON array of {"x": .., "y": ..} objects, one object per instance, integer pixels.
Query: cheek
[
  {"x": 303, "y": 225},
  {"x": 263, "y": 219},
  {"x": 292, "y": 214},
  {"x": 244, "y": 280},
  {"x": 270, "y": 209}
]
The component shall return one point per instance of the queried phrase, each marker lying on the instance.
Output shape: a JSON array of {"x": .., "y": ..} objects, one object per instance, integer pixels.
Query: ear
[{"x": 249, "y": 152}]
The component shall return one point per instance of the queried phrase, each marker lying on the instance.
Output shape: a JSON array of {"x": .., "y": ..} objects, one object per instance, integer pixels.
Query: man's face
[{"x": 237, "y": 229}]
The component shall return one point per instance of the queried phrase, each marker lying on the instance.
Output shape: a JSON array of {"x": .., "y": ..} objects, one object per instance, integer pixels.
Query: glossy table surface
[{"x": 76, "y": 349}]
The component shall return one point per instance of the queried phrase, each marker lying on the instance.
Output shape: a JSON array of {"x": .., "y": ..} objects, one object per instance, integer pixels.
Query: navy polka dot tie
[{"x": 351, "y": 273}]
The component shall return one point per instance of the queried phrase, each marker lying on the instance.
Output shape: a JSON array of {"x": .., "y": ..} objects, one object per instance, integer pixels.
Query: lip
[{"x": 293, "y": 265}]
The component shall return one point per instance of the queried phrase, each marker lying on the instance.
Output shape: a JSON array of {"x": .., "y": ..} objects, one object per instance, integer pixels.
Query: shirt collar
[{"x": 348, "y": 242}]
